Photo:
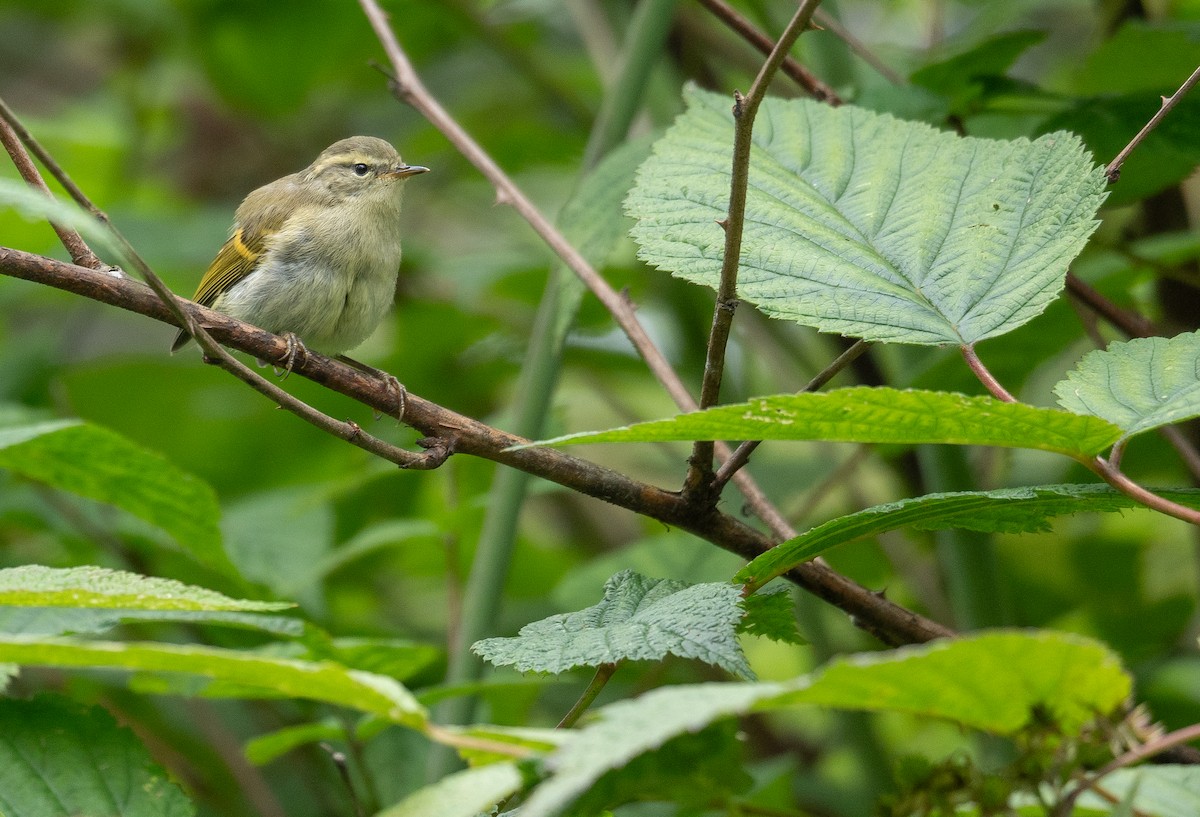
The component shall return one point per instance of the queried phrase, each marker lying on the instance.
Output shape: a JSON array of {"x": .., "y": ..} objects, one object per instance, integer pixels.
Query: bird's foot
[
  {"x": 397, "y": 393},
  {"x": 296, "y": 351}
]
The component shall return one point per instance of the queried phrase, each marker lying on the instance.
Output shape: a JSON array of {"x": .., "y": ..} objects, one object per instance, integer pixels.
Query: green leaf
[
  {"x": 463, "y": 794},
  {"x": 98, "y": 587},
  {"x": 317, "y": 681},
  {"x": 770, "y": 614},
  {"x": 68, "y": 620},
  {"x": 999, "y": 682},
  {"x": 60, "y": 759},
  {"x": 958, "y": 77},
  {"x": 1138, "y": 385},
  {"x": 690, "y": 770},
  {"x": 639, "y": 619},
  {"x": 1008, "y": 510},
  {"x": 100, "y": 464},
  {"x": 263, "y": 749},
  {"x": 875, "y": 415},
  {"x": 869, "y": 226},
  {"x": 1161, "y": 791},
  {"x": 593, "y": 222},
  {"x": 628, "y": 729},
  {"x": 1119, "y": 65}
]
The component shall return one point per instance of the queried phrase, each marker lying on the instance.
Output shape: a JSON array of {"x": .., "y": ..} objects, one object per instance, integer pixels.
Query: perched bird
[{"x": 314, "y": 256}]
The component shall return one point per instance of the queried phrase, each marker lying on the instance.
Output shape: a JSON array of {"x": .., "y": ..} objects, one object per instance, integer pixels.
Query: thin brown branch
[
  {"x": 80, "y": 252},
  {"x": 1129, "y": 322},
  {"x": 741, "y": 454},
  {"x": 407, "y": 87},
  {"x": 871, "y": 612},
  {"x": 985, "y": 376},
  {"x": 1136, "y": 755},
  {"x": 698, "y": 484},
  {"x": 1113, "y": 171},
  {"x": 748, "y": 32}
]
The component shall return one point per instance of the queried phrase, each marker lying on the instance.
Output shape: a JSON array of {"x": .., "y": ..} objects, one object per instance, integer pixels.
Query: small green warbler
[{"x": 314, "y": 256}]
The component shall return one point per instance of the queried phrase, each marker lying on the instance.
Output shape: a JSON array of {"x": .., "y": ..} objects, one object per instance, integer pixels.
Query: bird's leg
[
  {"x": 394, "y": 386},
  {"x": 296, "y": 350}
]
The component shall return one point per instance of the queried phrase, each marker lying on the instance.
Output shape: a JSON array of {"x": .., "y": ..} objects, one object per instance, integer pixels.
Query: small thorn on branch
[{"x": 739, "y": 104}]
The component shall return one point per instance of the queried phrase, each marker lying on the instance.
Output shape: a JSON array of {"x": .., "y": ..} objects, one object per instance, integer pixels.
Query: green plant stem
[
  {"x": 497, "y": 538},
  {"x": 603, "y": 673},
  {"x": 643, "y": 49},
  {"x": 539, "y": 373},
  {"x": 1099, "y": 466},
  {"x": 698, "y": 482}
]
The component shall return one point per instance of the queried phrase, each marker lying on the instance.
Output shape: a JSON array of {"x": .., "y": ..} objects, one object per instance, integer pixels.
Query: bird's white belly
[{"x": 331, "y": 309}]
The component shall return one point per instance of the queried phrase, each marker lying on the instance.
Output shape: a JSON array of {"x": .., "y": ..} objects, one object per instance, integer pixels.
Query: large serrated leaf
[
  {"x": 639, "y": 619},
  {"x": 60, "y": 759},
  {"x": 1008, "y": 510},
  {"x": 1138, "y": 385},
  {"x": 865, "y": 225},
  {"x": 999, "y": 682},
  {"x": 876, "y": 415},
  {"x": 100, "y": 464}
]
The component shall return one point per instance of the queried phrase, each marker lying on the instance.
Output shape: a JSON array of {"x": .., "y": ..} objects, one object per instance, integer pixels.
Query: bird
[{"x": 314, "y": 256}]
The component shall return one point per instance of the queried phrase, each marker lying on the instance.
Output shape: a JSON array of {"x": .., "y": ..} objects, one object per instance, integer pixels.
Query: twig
[
  {"x": 985, "y": 376},
  {"x": 1129, "y": 322},
  {"x": 889, "y": 622},
  {"x": 1113, "y": 171},
  {"x": 698, "y": 484},
  {"x": 80, "y": 252},
  {"x": 814, "y": 576},
  {"x": 1105, "y": 469},
  {"x": 741, "y": 454},
  {"x": 747, "y": 31},
  {"x": 603, "y": 673},
  {"x": 1146, "y": 750}
]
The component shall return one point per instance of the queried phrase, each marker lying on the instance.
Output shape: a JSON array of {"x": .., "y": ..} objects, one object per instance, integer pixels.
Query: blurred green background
[{"x": 168, "y": 113}]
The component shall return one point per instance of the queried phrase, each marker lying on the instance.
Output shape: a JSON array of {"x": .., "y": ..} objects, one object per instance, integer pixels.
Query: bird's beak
[{"x": 404, "y": 171}]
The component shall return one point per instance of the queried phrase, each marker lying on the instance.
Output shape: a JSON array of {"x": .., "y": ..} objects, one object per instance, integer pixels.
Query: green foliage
[
  {"x": 864, "y": 225},
  {"x": 1011, "y": 510},
  {"x": 639, "y": 619},
  {"x": 1138, "y": 385},
  {"x": 100, "y": 464},
  {"x": 131, "y": 482},
  {"x": 875, "y": 415},
  {"x": 96, "y": 587},
  {"x": 60, "y": 759},
  {"x": 324, "y": 681},
  {"x": 463, "y": 794}
]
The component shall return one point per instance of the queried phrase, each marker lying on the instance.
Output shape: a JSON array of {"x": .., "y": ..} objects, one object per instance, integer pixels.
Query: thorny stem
[
  {"x": 1113, "y": 171},
  {"x": 603, "y": 673},
  {"x": 698, "y": 484},
  {"x": 747, "y": 31}
]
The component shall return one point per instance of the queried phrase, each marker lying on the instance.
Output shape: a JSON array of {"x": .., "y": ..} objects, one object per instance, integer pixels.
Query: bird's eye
[{"x": 361, "y": 169}]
